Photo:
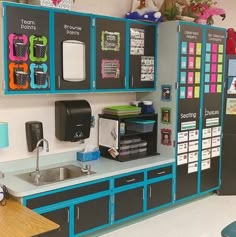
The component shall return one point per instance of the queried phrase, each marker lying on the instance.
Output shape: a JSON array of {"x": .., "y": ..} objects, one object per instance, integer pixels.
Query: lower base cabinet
[
  {"x": 128, "y": 203},
  {"x": 91, "y": 214},
  {"x": 159, "y": 193},
  {"x": 84, "y": 208},
  {"x": 60, "y": 217}
]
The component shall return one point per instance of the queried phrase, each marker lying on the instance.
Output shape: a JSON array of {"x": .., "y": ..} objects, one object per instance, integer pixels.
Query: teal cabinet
[
  {"x": 142, "y": 52},
  {"x": 85, "y": 208},
  {"x": 190, "y": 121},
  {"x": 56, "y": 51}
]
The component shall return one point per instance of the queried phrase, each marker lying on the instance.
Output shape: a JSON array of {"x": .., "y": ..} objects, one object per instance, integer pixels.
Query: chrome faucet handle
[{"x": 88, "y": 168}]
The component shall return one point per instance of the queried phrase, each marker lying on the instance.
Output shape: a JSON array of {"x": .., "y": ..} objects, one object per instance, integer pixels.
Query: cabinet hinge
[
  {"x": 178, "y": 28},
  {"x": 174, "y": 143},
  {"x": 176, "y": 85}
]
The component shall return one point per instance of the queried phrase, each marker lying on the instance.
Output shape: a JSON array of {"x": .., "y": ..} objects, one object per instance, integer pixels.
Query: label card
[
  {"x": 206, "y": 132},
  {"x": 192, "y": 167},
  {"x": 206, "y": 143},
  {"x": 215, "y": 152},
  {"x": 193, "y": 156},
  {"x": 182, "y": 159},
  {"x": 193, "y": 146},
  {"x": 182, "y": 137},
  {"x": 206, "y": 154},
  {"x": 182, "y": 148},
  {"x": 206, "y": 164},
  {"x": 216, "y": 141}
]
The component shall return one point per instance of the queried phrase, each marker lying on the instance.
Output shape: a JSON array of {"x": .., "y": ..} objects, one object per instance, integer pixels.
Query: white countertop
[{"x": 103, "y": 168}]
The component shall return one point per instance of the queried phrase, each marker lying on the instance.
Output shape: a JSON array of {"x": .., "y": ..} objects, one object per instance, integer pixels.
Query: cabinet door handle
[
  {"x": 162, "y": 172},
  {"x": 77, "y": 215},
  {"x": 130, "y": 180},
  {"x": 59, "y": 81},
  {"x": 150, "y": 191},
  {"x": 68, "y": 216},
  {"x": 132, "y": 81},
  {"x": 143, "y": 193}
]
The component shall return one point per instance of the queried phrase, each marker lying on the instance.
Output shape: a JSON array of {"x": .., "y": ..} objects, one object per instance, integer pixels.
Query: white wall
[{"x": 16, "y": 110}]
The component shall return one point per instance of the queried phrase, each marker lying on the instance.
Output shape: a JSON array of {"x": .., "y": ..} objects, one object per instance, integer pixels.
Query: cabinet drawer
[
  {"x": 158, "y": 172},
  {"x": 129, "y": 179},
  {"x": 65, "y": 195}
]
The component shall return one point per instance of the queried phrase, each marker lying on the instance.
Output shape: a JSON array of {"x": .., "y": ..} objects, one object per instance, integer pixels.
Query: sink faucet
[{"x": 37, "y": 154}]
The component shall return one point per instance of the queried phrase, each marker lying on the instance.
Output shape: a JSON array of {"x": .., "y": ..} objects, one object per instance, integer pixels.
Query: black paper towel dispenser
[{"x": 72, "y": 120}]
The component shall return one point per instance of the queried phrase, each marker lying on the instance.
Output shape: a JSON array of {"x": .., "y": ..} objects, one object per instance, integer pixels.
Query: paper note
[
  {"x": 193, "y": 146},
  {"x": 192, "y": 167},
  {"x": 206, "y": 143},
  {"x": 184, "y": 48},
  {"x": 207, "y": 77},
  {"x": 182, "y": 92},
  {"x": 220, "y": 68},
  {"x": 190, "y": 78},
  {"x": 216, "y": 141},
  {"x": 208, "y": 57},
  {"x": 213, "y": 88},
  {"x": 208, "y": 47},
  {"x": 182, "y": 137},
  {"x": 219, "y": 77},
  {"x": 183, "y": 77},
  {"x": 207, "y": 67},
  {"x": 191, "y": 48},
  {"x": 206, "y": 164},
  {"x": 219, "y": 88},
  {"x": 190, "y": 93},
  {"x": 193, "y": 156},
  {"x": 214, "y": 58},
  {"x": 206, "y": 88},
  {"x": 197, "y": 77},
  {"x": 182, "y": 159},
  {"x": 191, "y": 62},
  {"x": 206, "y": 154},
  {"x": 220, "y": 58},
  {"x": 215, "y": 152},
  {"x": 182, "y": 148},
  {"x": 213, "y": 68},
  {"x": 213, "y": 77},
  {"x": 196, "y": 92},
  {"x": 206, "y": 132},
  {"x": 198, "y": 62},
  {"x": 221, "y": 48},
  {"x": 199, "y": 49},
  {"x": 232, "y": 67},
  {"x": 183, "y": 62},
  {"x": 216, "y": 131},
  {"x": 214, "y": 48},
  {"x": 193, "y": 135}
]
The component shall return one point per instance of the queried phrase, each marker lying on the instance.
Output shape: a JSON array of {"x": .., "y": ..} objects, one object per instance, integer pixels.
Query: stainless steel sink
[{"x": 54, "y": 175}]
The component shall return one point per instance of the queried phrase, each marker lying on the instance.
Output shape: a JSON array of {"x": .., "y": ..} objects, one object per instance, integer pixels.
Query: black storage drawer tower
[{"x": 117, "y": 134}]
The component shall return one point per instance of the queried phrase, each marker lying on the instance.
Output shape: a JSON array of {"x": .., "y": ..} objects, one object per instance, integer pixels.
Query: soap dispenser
[{"x": 34, "y": 132}]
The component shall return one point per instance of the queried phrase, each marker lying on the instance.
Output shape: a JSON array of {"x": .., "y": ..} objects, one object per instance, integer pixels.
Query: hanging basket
[{"x": 63, "y": 4}]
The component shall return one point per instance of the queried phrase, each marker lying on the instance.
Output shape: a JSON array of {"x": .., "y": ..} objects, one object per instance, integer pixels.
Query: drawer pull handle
[
  {"x": 77, "y": 216},
  {"x": 162, "y": 172},
  {"x": 150, "y": 191},
  {"x": 68, "y": 216},
  {"x": 130, "y": 180}
]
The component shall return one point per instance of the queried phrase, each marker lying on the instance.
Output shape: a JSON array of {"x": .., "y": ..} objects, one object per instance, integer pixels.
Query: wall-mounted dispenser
[
  {"x": 72, "y": 120},
  {"x": 34, "y": 132}
]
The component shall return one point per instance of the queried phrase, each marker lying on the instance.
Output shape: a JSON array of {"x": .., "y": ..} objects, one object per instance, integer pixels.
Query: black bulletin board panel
[
  {"x": 71, "y": 28},
  {"x": 212, "y": 108},
  {"x": 110, "y": 53},
  {"x": 28, "y": 23},
  {"x": 136, "y": 58},
  {"x": 188, "y": 110}
]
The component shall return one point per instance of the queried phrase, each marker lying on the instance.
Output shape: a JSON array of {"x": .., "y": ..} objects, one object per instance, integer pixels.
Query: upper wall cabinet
[
  {"x": 48, "y": 50},
  {"x": 72, "y": 43},
  {"x": 26, "y": 50},
  {"x": 142, "y": 55},
  {"x": 110, "y": 53}
]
